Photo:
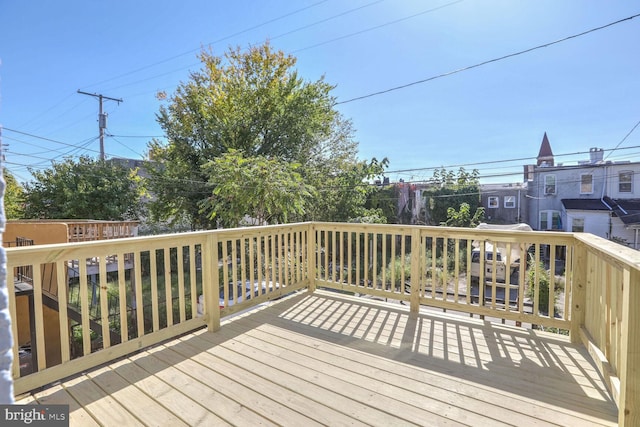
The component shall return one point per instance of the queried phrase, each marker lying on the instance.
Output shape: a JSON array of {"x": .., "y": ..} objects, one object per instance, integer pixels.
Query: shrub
[{"x": 544, "y": 279}]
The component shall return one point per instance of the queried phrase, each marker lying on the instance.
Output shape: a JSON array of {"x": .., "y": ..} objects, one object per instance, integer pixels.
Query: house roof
[
  {"x": 545, "y": 147},
  {"x": 545, "y": 154},
  {"x": 585, "y": 204},
  {"x": 628, "y": 210}
]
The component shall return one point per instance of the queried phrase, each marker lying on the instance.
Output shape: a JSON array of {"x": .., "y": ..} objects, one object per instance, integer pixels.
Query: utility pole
[{"x": 102, "y": 117}]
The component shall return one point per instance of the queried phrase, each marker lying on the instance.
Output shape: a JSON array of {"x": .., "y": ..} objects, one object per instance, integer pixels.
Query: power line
[
  {"x": 322, "y": 21},
  {"x": 135, "y": 136},
  {"x": 366, "y": 30},
  {"x": 517, "y": 159},
  {"x": 290, "y": 32},
  {"x": 270, "y": 21},
  {"x": 623, "y": 139},
  {"x": 52, "y": 140},
  {"x": 486, "y": 62}
]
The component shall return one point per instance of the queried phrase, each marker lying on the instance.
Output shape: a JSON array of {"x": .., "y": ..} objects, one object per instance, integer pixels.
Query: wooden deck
[{"x": 326, "y": 359}]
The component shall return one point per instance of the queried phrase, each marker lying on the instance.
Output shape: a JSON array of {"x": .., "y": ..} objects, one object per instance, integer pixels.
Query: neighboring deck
[{"x": 326, "y": 359}]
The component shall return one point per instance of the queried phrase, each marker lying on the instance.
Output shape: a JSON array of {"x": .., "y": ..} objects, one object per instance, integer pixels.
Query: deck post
[
  {"x": 629, "y": 369},
  {"x": 210, "y": 281},
  {"x": 311, "y": 257},
  {"x": 416, "y": 269},
  {"x": 578, "y": 292}
]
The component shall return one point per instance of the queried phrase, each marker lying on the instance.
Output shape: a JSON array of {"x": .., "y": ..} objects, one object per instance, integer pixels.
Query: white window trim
[
  {"x": 497, "y": 202},
  {"x": 549, "y": 213},
  {"x": 586, "y": 192},
  {"x": 630, "y": 182},
  {"x": 555, "y": 185},
  {"x": 513, "y": 201},
  {"x": 577, "y": 218}
]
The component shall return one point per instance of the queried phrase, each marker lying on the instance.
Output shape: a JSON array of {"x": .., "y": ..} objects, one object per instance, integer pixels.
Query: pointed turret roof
[{"x": 545, "y": 155}]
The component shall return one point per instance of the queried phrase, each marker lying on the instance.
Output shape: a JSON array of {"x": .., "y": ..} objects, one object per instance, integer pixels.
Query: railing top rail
[
  {"x": 458, "y": 232},
  {"x": 610, "y": 250},
  {"x": 57, "y": 251}
]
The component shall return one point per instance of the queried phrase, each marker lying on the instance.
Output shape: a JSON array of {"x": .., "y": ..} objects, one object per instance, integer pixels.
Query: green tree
[
  {"x": 343, "y": 190},
  {"x": 463, "y": 217},
  {"x": 253, "y": 189},
  {"x": 255, "y": 102},
  {"x": 83, "y": 189},
  {"x": 13, "y": 197},
  {"x": 451, "y": 191},
  {"x": 385, "y": 200}
]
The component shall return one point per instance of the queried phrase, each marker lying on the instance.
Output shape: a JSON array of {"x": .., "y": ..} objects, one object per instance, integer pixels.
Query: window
[
  {"x": 550, "y": 184},
  {"x": 509, "y": 201},
  {"x": 550, "y": 220},
  {"x": 586, "y": 184},
  {"x": 577, "y": 225},
  {"x": 494, "y": 202},
  {"x": 625, "y": 179}
]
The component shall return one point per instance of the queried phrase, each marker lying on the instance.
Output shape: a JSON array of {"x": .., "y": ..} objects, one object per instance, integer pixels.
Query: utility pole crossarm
[
  {"x": 102, "y": 118},
  {"x": 97, "y": 95}
]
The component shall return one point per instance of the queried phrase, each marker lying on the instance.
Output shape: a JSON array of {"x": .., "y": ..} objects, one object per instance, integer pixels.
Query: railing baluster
[
  {"x": 180, "y": 253},
  {"x": 104, "y": 300},
  {"x": 154, "y": 290},
  {"x": 168, "y": 292},
  {"x": 139, "y": 299},
  {"x": 84, "y": 306},
  {"x": 61, "y": 276},
  {"x": 122, "y": 298}
]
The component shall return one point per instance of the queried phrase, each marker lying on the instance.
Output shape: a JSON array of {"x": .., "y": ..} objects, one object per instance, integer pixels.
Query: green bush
[{"x": 544, "y": 279}]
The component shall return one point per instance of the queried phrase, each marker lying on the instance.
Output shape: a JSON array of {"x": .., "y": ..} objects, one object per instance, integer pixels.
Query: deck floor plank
[
  {"x": 182, "y": 406},
  {"x": 286, "y": 388},
  {"x": 459, "y": 405},
  {"x": 237, "y": 385},
  {"x": 102, "y": 407},
  {"x": 57, "y": 395},
  {"x": 353, "y": 402},
  {"x": 142, "y": 406},
  {"x": 327, "y": 359},
  {"x": 190, "y": 384},
  {"x": 401, "y": 372}
]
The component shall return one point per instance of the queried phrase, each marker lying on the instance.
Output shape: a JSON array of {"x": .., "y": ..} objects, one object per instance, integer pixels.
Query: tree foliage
[
  {"x": 83, "y": 189},
  {"x": 451, "y": 191},
  {"x": 253, "y": 190},
  {"x": 13, "y": 197},
  {"x": 252, "y": 101},
  {"x": 463, "y": 216}
]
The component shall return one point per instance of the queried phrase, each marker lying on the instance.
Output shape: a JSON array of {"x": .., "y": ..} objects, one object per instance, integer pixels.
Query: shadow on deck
[{"x": 330, "y": 359}]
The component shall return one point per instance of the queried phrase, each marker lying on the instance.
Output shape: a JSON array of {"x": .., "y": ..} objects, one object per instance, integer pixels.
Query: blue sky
[{"x": 584, "y": 92}]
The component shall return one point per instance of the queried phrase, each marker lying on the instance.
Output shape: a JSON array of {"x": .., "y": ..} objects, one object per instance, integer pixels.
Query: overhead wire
[
  {"x": 480, "y": 64},
  {"x": 366, "y": 30},
  {"x": 623, "y": 139},
  {"x": 262, "y": 24}
]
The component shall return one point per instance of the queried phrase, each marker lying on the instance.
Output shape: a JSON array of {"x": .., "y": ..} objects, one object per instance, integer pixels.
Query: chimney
[{"x": 596, "y": 155}]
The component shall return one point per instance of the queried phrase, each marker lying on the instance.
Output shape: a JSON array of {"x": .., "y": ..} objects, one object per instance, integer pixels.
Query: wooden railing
[
  {"x": 567, "y": 283},
  {"x": 84, "y": 231}
]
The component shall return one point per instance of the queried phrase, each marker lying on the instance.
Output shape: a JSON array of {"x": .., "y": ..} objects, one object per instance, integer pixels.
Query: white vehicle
[{"x": 498, "y": 266}]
